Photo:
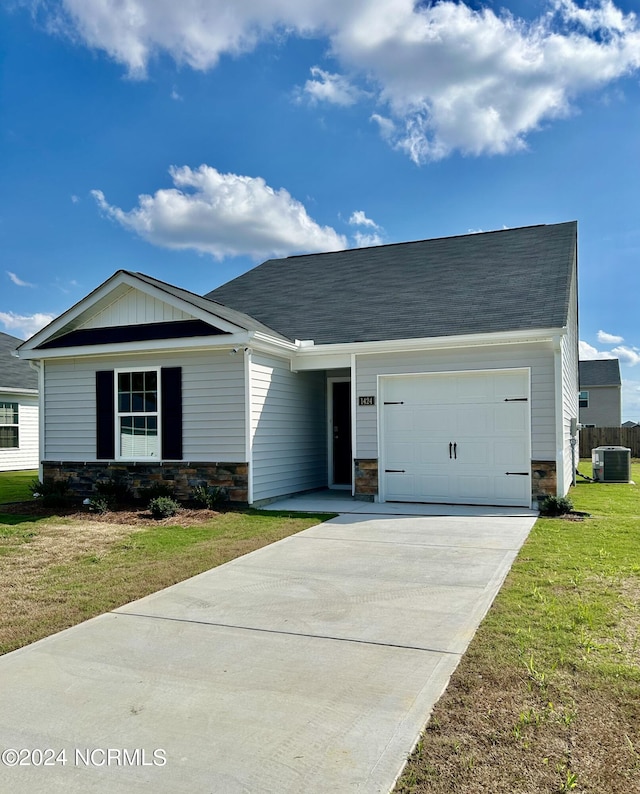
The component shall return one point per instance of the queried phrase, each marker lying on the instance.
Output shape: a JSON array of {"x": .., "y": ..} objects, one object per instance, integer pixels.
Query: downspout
[
  {"x": 559, "y": 414},
  {"x": 248, "y": 431}
]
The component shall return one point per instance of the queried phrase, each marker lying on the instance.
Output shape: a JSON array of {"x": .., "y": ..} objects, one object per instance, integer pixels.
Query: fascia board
[
  {"x": 8, "y": 390},
  {"x": 149, "y": 346},
  {"x": 431, "y": 343}
]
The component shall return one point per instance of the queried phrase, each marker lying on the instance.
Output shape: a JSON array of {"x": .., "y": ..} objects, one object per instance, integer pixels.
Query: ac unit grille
[{"x": 611, "y": 464}]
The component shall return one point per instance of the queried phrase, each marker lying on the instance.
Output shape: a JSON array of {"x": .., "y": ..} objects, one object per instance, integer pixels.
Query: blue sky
[{"x": 193, "y": 140}]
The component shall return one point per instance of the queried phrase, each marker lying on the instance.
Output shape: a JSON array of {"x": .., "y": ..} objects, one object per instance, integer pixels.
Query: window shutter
[
  {"x": 171, "y": 413},
  {"x": 105, "y": 427}
]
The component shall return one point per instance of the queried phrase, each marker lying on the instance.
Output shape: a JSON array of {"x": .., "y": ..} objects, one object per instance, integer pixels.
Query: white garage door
[{"x": 461, "y": 438}]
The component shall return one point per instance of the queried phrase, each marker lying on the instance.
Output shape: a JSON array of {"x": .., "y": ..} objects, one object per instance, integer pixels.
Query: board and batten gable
[
  {"x": 288, "y": 428},
  {"x": 132, "y": 308},
  {"x": 25, "y": 455},
  {"x": 212, "y": 403},
  {"x": 538, "y": 357}
]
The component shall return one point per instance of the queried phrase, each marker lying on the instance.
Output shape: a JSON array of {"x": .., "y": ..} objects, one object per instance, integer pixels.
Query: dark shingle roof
[
  {"x": 600, "y": 372},
  {"x": 14, "y": 373},
  {"x": 516, "y": 279}
]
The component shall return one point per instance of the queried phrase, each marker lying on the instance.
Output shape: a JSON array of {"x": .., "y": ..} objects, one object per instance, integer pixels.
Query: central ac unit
[{"x": 611, "y": 464}]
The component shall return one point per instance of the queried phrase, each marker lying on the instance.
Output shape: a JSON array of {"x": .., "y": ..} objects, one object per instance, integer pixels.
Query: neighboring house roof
[
  {"x": 510, "y": 280},
  {"x": 600, "y": 372},
  {"x": 14, "y": 373},
  {"x": 629, "y": 423}
]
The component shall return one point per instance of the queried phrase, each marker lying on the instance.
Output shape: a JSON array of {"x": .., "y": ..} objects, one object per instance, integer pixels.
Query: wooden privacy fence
[{"x": 592, "y": 437}]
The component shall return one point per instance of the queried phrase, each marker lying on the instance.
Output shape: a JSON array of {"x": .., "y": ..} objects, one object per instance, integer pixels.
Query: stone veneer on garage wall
[
  {"x": 366, "y": 479},
  {"x": 543, "y": 478},
  {"x": 180, "y": 477}
]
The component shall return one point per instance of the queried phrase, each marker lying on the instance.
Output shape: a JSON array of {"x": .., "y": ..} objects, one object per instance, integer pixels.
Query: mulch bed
[{"x": 185, "y": 517}]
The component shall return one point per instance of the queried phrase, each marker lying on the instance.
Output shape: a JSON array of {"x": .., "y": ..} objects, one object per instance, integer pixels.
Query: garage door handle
[
  {"x": 455, "y": 451},
  {"x": 519, "y": 473},
  {"x": 394, "y": 471},
  {"x": 450, "y": 448},
  {"x": 516, "y": 399}
]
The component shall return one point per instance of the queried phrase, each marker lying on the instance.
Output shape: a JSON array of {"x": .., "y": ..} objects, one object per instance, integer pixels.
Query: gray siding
[
  {"x": 605, "y": 406},
  {"x": 288, "y": 428},
  {"x": 539, "y": 357},
  {"x": 212, "y": 394},
  {"x": 26, "y": 455}
]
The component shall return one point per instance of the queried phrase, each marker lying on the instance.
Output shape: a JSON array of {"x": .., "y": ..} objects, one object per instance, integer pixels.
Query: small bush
[
  {"x": 163, "y": 507},
  {"x": 52, "y": 493},
  {"x": 209, "y": 496},
  {"x": 115, "y": 490},
  {"x": 552, "y": 506},
  {"x": 100, "y": 504}
]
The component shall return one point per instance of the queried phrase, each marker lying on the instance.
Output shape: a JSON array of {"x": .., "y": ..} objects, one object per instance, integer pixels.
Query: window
[
  {"x": 583, "y": 399},
  {"x": 8, "y": 425},
  {"x": 138, "y": 412}
]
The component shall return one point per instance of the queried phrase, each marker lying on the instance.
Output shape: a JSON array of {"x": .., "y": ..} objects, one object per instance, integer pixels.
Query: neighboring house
[
  {"x": 600, "y": 393},
  {"x": 629, "y": 424},
  {"x": 444, "y": 371},
  {"x": 18, "y": 409}
]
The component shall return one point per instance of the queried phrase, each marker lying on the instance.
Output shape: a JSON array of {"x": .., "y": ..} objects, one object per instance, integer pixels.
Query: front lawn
[
  {"x": 14, "y": 485},
  {"x": 547, "y": 697},
  {"x": 56, "y": 572}
]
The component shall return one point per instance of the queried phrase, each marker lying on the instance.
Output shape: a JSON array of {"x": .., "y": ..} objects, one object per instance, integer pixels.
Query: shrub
[
  {"x": 52, "y": 493},
  {"x": 552, "y": 506},
  {"x": 209, "y": 496},
  {"x": 115, "y": 491},
  {"x": 163, "y": 507},
  {"x": 100, "y": 504}
]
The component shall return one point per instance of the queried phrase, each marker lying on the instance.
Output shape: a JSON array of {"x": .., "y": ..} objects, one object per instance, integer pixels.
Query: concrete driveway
[{"x": 308, "y": 666}]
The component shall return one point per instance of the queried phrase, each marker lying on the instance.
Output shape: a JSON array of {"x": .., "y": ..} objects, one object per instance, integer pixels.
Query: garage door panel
[{"x": 487, "y": 416}]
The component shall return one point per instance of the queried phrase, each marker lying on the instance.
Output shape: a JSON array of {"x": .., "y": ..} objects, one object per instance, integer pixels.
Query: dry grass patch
[{"x": 58, "y": 572}]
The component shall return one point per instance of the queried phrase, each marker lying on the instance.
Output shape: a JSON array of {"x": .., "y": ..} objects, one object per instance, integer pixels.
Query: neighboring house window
[
  {"x": 138, "y": 412},
  {"x": 583, "y": 399},
  {"x": 8, "y": 425}
]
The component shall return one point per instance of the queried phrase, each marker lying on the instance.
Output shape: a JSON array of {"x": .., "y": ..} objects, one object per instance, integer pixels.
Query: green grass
[
  {"x": 14, "y": 485},
  {"x": 58, "y": 572},
  {"x": 547, "y": 697}
]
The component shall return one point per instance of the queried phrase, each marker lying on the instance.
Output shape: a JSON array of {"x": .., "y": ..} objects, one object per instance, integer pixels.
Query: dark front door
[{"x": 341, "y": 413}]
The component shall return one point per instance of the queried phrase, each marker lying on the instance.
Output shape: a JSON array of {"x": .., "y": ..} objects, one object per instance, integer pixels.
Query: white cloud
[
  {"x": 22, "y": 325},
  {"x": 18, "y": 281},
  {"x": 333, "y": 88},
  {"x": 358, "y": 218},
  {"x": 588, "y": 353},
  {"x": 367, "y": 240},
  {"x": 627, "y": 355},
  {"x": 74, "y": 199},
  {"x": 609, "y": 339},
  {"x": 224, "y": 215},
  {"x": 450, "y": 77}
]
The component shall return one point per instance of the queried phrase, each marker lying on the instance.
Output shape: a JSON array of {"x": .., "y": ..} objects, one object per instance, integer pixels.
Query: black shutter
[
  {"x": 171, "y": 409},
  {"x": 105, "y": 429}
]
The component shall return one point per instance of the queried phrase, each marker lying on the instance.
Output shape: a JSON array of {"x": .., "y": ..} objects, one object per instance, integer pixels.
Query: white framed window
[
  {"x": 583, "y": 399},
  {"x": 137, "y": 414},
  {"x": 9, "y": 425}
]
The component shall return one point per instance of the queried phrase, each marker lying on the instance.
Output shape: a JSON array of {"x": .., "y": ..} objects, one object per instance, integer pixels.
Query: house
[
  {"x": 600, "y": 393},
  {"x": 18, "y": 409},
  {"x": 629, "y": 423},
  {"x": 442, "y": 370}
]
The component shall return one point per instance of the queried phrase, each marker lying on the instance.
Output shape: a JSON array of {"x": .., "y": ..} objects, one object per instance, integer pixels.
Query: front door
[{"x": 341, "y": 463}]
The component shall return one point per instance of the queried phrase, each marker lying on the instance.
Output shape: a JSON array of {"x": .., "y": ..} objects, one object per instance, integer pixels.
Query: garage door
[{"x": 461, "y": 438}]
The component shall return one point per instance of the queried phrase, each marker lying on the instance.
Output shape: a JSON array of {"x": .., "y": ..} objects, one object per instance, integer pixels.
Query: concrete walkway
[{"x": 308, "y": 666}]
